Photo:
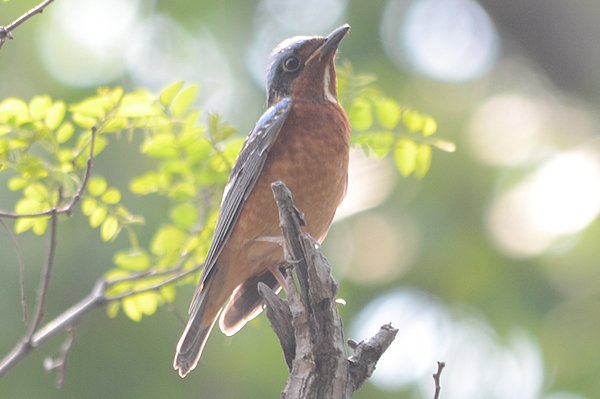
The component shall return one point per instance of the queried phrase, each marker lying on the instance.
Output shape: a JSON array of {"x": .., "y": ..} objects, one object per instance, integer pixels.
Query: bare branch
[
  {"x": 308, "y": 323},
  {"x": 367, "y": 354},
  {"x": 96, "y": 298},
  {"x": 436, "y": 379},
  {"x": 40, "y": 304},
  {"x": 68, "y": 208},
  {"x": 153, "y": 287},
  {"x": 59, "y": 363},
  {"x": 6, "y": 31}
]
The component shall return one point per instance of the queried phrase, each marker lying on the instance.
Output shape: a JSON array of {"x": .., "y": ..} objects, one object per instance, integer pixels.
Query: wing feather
[{"x": 245, "y": 173}]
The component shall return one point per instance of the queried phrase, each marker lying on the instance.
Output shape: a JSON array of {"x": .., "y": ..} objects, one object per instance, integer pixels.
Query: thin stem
[
  {"x": 96, "y": 298},
  {"x": 40, "y": 305},
  {"x": 6, "y": 31},
  {"x": 154, "y": 287},
  {"x": 436, "y": 379}
]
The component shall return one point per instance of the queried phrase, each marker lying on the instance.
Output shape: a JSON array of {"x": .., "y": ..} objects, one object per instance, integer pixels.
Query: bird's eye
[{"x": 291, "y": 64}]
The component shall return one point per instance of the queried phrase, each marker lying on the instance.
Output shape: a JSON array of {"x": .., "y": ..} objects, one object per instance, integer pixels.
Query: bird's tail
[
  {"x": 193, "y": 339},
  {"x": 245, "y": 303}
]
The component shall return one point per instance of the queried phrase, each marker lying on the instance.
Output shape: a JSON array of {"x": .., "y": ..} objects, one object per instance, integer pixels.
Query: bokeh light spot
[
  {"x": 561, "y": 198},
  {"x": 372, "y": 249},
  {"x": 82, "y": 42},
  {"x": 448, "y": 40},
  {"x": 370, "y": 182},
  {"x": 162, "y": 52},
  {"x": 506, "y": 130},
  {"x": 479, "y": 363}
]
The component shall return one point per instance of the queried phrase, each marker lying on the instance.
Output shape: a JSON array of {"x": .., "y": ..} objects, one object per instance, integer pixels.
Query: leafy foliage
[
  {"x": 45, "y": 145},
  {"x": 382, "y": 127}
]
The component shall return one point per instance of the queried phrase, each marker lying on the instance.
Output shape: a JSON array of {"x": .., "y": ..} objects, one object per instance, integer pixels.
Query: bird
[{"x": 302, "y": 139}]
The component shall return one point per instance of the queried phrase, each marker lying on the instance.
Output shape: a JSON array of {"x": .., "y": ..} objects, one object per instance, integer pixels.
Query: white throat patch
[{"x": 326, "y": 83}]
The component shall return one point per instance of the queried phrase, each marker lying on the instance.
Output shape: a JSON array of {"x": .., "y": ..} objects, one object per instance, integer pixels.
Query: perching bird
[{"x": 302, "y": 140}]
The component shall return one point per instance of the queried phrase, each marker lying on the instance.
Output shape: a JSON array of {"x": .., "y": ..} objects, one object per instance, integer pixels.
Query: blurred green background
[{"x": 490, "y": 263}]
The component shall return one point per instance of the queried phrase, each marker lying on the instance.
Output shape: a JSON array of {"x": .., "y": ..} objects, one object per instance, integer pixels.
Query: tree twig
[
  {"x": 59, "y": 363},
  {"x": 40, "y": 305},
  {"x": 436, "y": 379},
  {"x": 6, "y": 31},
  {"x": 68, "y": 208},
  {"x": 96, "y": 298},
  {"x": 366, "y": 354}
]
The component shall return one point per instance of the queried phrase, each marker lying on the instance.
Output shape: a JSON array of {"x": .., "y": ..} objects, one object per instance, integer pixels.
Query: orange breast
[{"x": 311, "y": 157}]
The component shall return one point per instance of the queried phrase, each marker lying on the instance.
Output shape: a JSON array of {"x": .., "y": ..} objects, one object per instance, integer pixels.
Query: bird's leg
[
  {"x": 281, "y": 242},
  {"x": 274, "y": 269}
]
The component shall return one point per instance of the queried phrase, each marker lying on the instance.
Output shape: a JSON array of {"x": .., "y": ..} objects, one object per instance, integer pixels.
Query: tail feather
[
  {"x": 193, "y": 339},
  {"x": 245, "y": 303}
]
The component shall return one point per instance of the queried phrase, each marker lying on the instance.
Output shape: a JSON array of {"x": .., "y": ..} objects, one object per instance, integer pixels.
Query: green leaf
[
  {"x": 39, "y": 226},
  {"x": 132, "y": 259},
  {"x": 23, "y": 224},
  {"x": 167, "y": 240},
  {"x": 381, "y": 143},
  {"x": 38, "y": 107},
  {"x": 28, "y": 205},
  {"x": 138, "y": 105},
  {"x": 147, "y": 302},
  {"x": 112, "y": 309},
  {"x": 55, "y": 115},
  {"x": 169, "y": 92},
  {"x": 198, "y": 150},
  {"x": 388, "y": 113},
  {"x": 184, "y": 216},
  {"x": 423, "y": 161},
  {"x": 405, "y": 156},
  {"x": 5, "y": 129},
  {"x": 182, "y": 191},
  {"x": 218, "y": 129},
  {"x": 30, "y": 166},
  {"x": 429, "y": 126},
  {"x": 14, "y": 111},
  {"x": 98, "y": 216},
  {"x": 160, "y": 146},
  {"x": 360, "y": 114},
  {"x": 182, "y": 101},
  {"x": 131, "y": 310},
  {"x": 413, "y": 121},
  {"x": 141, "y": 304},
  {"x": 115, "y": 124},
  {"x": 84, "y": 121},
  {"x": 145, "y": 184},
  {"x": 66, "y": 156},
  {"x": 16, "y": 183},
  {"x": 97, "y": 186},
  {"x": 109, "y": 228},
  {"x": 88, "y": 206},
  {"x": 167, "y": 293},
  {"x": 94, "y": 107},
  {"x": 111, "y": 196},
  {"x": 36, "y": 191},
  {"x": 64, "y": 133}
]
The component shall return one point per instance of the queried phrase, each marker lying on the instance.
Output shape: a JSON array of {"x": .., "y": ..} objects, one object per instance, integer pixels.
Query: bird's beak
[{"x": 331, "y": 43}]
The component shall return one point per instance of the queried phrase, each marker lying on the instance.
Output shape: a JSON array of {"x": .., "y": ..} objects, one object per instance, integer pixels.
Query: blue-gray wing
[{"x": 244, "y": 175}]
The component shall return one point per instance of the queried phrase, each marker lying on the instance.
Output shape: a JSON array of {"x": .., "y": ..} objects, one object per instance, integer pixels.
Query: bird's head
[{"x": 304, "y": 67}]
